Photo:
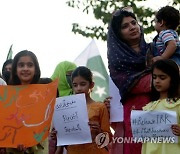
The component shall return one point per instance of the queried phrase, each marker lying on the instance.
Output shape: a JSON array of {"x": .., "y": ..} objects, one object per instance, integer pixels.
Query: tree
[{"x": 102, "y": 10}]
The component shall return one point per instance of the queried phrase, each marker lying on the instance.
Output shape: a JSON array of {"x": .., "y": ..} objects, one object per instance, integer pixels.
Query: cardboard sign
[{"x": 26, "y": 113}]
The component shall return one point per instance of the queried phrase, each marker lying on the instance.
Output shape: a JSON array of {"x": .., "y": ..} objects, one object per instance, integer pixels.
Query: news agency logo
[{"x": 102, "y": 140}]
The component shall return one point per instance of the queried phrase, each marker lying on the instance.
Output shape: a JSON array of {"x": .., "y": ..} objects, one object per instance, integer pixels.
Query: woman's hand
[
  {"x": 107, "y": 103},
  {"x": 176, "y": 129},
  {"x": 53, "y": 134},
  {"x": 95, "y": 129},
  {"x": 21, "y": 148}
]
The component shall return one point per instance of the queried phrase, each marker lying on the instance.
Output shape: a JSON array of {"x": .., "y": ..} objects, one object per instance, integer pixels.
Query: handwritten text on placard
[
  {"x": 153, "y": 123},
  {"x": 71, "y": 120}
]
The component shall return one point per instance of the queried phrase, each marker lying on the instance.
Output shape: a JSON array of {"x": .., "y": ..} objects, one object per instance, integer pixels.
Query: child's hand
[
  {"x": 95, "y": 129},
  {"x": 21, "y": 148},
  {"x": 107, "y": 103},
  {"x": 176, "y": 129},
  {"x": 53, "y": 134}
]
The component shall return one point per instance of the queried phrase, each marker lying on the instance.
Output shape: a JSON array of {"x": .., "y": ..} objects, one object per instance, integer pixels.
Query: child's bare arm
[{"x": 170, "y": 49}]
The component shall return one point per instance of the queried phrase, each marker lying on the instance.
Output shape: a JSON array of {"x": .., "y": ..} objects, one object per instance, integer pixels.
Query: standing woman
[
  {"x": 26, "y": 70},
  {"x": 127, "y": 65}
]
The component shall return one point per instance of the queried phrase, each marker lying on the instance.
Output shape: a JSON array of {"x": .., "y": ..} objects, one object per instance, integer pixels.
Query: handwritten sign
[
  {"x": 116, "y": 107},
  {"x": 26, "y": 113},
  {"x": 153, "y": 123},
  {"x": 71, "y": 120}
]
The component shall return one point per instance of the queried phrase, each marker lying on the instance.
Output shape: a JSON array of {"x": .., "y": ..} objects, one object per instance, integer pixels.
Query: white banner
[
  {"x": 116, "y": 107},
  {"x": 71, "y": 120}
]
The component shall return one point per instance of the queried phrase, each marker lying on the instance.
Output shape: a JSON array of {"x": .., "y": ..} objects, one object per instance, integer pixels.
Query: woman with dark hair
[
  {"x": 6, "y": 70},
  {"x": 127, "y": 51}
]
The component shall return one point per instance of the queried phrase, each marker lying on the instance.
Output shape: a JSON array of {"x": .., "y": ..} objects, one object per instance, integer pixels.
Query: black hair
[
  {"x": 9, "y": 61},
  {"x": 117, "y": 21},
  {"x": 5, "y": 73},
  {"x": 170, "y": 68},
  {"x": 14, "y": 78},
  {"x": 170, "y": 15},
  {"x": 83, "y": 72},
  {"x": 45, "y": 80}
]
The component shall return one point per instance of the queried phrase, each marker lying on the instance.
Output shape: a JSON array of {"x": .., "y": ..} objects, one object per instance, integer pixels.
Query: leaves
[{"x": 102, "y": 10}]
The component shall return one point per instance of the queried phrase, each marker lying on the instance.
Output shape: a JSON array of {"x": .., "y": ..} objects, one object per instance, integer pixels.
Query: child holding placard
[
  {"x": 165, "y": 96},
  {"x": 26, "y": 70},
  {"x": 97, "y": 112}
]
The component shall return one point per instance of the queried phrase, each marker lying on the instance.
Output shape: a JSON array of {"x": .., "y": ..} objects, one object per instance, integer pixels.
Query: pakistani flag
[
  {"x": 9, "y": 55},
  {"x": 91, "y": 58}
]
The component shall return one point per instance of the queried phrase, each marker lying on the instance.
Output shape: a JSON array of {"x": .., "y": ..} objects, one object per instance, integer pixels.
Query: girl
[
  {"x": 98, "y": 115},
  {"x": 26, "y": 70},
  {"x": 165, "y": 96}
]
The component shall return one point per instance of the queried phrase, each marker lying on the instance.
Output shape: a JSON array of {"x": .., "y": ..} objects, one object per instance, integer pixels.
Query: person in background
[
  {"x": 126, "y": 53},
  {"x": 167, "y": 41},
  {"x": 62, "y": 72},
  {"x": 26, "y": 70},
  {"x": 165, "y": 96},
  {"x": 6, "y": 70}
]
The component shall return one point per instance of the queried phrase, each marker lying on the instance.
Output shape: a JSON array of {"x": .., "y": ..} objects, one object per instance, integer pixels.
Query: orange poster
[{"x": 26, "y": 113}]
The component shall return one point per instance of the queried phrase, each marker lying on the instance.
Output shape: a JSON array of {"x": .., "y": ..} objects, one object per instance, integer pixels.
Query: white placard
[
  {"x": 71, "y": 120},
  {"x": 153, "y": 124},
  {"x": 116, "y": 107}
]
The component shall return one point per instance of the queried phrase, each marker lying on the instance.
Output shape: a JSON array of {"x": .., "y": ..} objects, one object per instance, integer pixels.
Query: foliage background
[{"x": 103, "y": 9}]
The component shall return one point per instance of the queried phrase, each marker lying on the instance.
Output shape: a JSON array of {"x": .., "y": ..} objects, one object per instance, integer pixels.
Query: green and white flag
[
  {"x": 91, "y": 58},
  {"x": 10, "y": 52}
]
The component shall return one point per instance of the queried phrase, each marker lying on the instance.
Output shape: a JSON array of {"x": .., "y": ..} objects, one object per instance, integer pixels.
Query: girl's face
[
  {"x": 161, "y": 81},
  {"x": 80, "y": 85},
  {"x": 130, "y": 30},
  {"x": 25, "y": 69}
]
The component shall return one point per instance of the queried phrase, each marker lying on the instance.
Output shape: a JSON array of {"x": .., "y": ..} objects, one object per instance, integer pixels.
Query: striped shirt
[{"x": 164, "y": 37}]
